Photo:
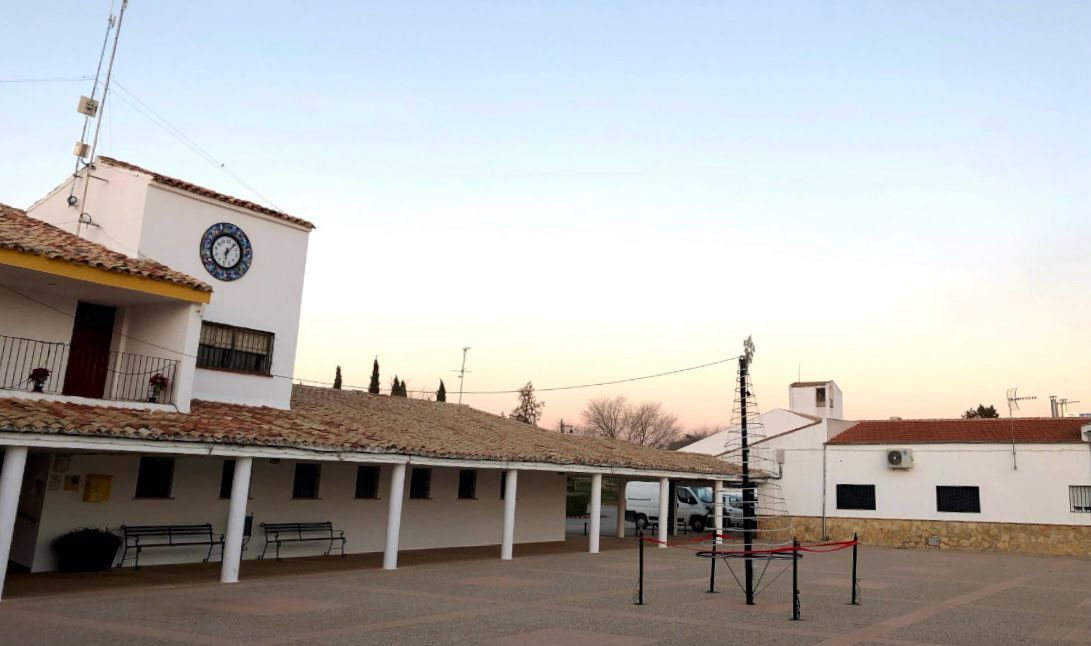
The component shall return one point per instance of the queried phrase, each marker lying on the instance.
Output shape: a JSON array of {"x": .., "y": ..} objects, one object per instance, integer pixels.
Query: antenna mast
[
  {"x": 92, "y": 109},
  {"x": 1013, "y": 405},
  {"x": 462, "y": 372}
]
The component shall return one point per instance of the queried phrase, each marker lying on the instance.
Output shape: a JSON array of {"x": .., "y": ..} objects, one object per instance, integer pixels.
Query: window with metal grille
[
  {"x": 367, "y": 482},
  {"x": 306, "y": 480},
  {"x": 227, "y": 478},
  {"x": 963, "y": 500},
  {"x": 1079, "y": 497},
  {"x": 820, "y": 397},
  {"x": 467, "y": 484},
  {"x": 154, "y": 478},
  {"x": 854, "y": 496},
  {"x": 420, "y": 483},
  {"x": 226, "y": 347}
]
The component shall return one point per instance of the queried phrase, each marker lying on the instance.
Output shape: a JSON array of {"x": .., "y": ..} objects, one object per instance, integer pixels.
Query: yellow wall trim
[{"x": 100, "y": 276}]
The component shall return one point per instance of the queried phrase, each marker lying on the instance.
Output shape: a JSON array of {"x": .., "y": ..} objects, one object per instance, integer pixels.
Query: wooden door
[{"x": 89, "y": 354}]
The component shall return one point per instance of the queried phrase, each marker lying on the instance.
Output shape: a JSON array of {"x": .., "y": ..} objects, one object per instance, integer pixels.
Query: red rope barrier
[{"x": 786, "y": 549}]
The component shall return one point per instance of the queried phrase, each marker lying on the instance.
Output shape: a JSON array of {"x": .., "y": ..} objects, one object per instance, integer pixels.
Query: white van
[
  {"x": 731, "y": 501},
  {"x": 642, "y": 505}
]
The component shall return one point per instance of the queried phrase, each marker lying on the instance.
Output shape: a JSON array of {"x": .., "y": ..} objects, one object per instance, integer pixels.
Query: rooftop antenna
[
  {"x": 94, "y": 109},
  {"x": 1013, "y": 405},
  {"x": 462, "y": 372}
]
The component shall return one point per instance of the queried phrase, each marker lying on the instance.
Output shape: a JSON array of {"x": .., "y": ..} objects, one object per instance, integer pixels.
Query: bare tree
[
  {"x": 649, "y": 425},
  {"x": 605, "y": 417},
  {"x": 646, "y": 423}
]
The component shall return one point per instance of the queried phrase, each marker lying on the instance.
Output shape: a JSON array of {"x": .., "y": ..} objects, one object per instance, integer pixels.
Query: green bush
[{"x": 576, "y": 504}]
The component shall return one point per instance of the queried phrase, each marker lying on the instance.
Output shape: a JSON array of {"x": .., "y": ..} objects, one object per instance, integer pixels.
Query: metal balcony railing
[{"x": 57, "y": 368}]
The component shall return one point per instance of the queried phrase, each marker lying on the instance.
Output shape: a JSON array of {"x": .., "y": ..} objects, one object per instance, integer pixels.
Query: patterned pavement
[{"x": 557, "y": 594}]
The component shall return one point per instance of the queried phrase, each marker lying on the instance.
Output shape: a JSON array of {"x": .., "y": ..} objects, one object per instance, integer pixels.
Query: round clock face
[{"x": 226, "y": 252}]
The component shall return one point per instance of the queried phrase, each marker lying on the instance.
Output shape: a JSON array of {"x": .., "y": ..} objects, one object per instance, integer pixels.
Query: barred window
[
  {"x": 420, "y": 484},
  {"x": 853, "y": 496},
  {"x": 467, "y": 484},
  {"x": 227, "y": 347},
  {"x": 1079, "y": 497},
  {"x": 820, "y": 397},
  {"x": 307, "y": 476},
  {"x": 227, "y": 478},
  {"x": 154, "y": 477},
  {"x": 367, "y": 482},
  {"x": 964, "y": 500}
]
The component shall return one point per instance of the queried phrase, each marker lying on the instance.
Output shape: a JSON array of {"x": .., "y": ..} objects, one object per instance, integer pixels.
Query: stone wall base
[{"x": 1057, "y": 540}]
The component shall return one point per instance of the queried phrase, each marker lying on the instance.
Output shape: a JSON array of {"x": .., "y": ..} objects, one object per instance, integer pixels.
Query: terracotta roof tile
[
  {"x": 938, "y": 431},
  {"x": 327, "y": 419},
  {"x": 189, "y": 187},
  {"x": 22, "y": 233}
]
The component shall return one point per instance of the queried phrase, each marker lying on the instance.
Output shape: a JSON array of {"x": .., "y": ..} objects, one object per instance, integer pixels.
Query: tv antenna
[
  {"x": 462, "y": 372},
  {"x": 93, "y": 108},
  {"x": 1013, "y": 405}
]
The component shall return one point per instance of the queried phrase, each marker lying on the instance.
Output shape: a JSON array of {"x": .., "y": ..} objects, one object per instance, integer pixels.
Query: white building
[
  {"x": 132, "y": 393},
  {"x": 1022, "y": 485}
]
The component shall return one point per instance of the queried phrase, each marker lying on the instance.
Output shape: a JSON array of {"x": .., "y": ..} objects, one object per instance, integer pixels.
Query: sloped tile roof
[
  {"x": 22, "y": 233},
  {"x": 1030, "y": 430},
  {"x": 340, "y": 420},
  {"x": 189, "y": 187}
]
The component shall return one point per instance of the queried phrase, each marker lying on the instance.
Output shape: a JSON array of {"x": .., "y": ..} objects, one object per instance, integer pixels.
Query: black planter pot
[{"x": 86, "y": 550}]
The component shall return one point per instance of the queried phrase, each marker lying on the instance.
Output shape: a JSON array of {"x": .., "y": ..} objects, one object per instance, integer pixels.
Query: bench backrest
[
  {"x": 297, "y": 528},
  {"x": 167, "y": 530}
]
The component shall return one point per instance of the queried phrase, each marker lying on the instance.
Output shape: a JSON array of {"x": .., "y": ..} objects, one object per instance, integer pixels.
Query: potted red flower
[
  {"x": 157, "y": 384},
  {"x": 38, "y": 377}
]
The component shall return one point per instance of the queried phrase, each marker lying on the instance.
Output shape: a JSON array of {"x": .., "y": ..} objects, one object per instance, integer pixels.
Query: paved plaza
[{"x": 558, "y": 594}]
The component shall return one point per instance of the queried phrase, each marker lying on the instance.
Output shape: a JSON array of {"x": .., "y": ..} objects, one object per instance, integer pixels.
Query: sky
[{"x": 892, "y": 195}]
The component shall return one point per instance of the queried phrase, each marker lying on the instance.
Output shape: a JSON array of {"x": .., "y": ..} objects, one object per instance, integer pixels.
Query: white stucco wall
[
  {"x": 166, "y": 330},
  {"x": 773, "y": 422},
  {"x": 267, "y": 298},
  {"x": 29, "y": 320},
  {"x": 1036, "y": 492},
  {"x": 802, "y": 399},
  {"x": 442, "y": 521},
  {"x": 115, "y": 201}
]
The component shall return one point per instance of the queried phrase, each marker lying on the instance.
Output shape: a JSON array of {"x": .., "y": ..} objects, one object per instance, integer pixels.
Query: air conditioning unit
[{"x": 899, "y": 458}]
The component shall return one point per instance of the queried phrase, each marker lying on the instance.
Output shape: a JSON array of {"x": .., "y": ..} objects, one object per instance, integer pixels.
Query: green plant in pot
[{"x": 87, "y": 549}]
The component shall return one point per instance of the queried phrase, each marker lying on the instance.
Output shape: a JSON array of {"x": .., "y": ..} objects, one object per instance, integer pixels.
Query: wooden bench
[
  {"x": 139, "y": 537},
  {"x": 277, "y": 533}
]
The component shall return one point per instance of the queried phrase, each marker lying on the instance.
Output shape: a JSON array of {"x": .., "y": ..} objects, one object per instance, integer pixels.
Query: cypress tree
[
  {"x": 337, "y": 379},
  {"x": 373, "y": 387},
  {"x": 395, "y": 388},
  {"x": 441, "y": 394}
]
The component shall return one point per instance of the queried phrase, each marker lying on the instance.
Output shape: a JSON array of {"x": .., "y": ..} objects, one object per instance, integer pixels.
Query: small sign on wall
[
  {"x": 96, "y": 487},
  {"x": 71, "y": 483}
]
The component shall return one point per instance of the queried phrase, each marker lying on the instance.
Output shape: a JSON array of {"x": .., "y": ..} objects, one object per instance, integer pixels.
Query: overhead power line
[
  {"x": 58, "y": 79},
  {"x": 350, "y": 387},
  {"x": 159, "y": 120}
]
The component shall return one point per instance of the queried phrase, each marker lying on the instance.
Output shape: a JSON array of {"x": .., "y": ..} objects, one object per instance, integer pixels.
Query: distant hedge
[{"x": 576, "y": 504}]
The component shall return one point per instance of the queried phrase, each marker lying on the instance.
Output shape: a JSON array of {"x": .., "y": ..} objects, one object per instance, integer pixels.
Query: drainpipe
[{"x": 824, "y": 536}]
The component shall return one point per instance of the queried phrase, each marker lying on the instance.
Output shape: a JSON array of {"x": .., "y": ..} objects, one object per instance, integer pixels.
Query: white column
[
  {"x": 664, "y": 499},
  {"x": 511, "y": 483},
  {"x": 394, "y": 517},
  {"x": 718, "y": 506},
  {"x": 596, "y": 514},
  {"x": 236, "y": 520},
  {"x": 11, "y": 481},
  {"x": 621, "y": 482}
]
